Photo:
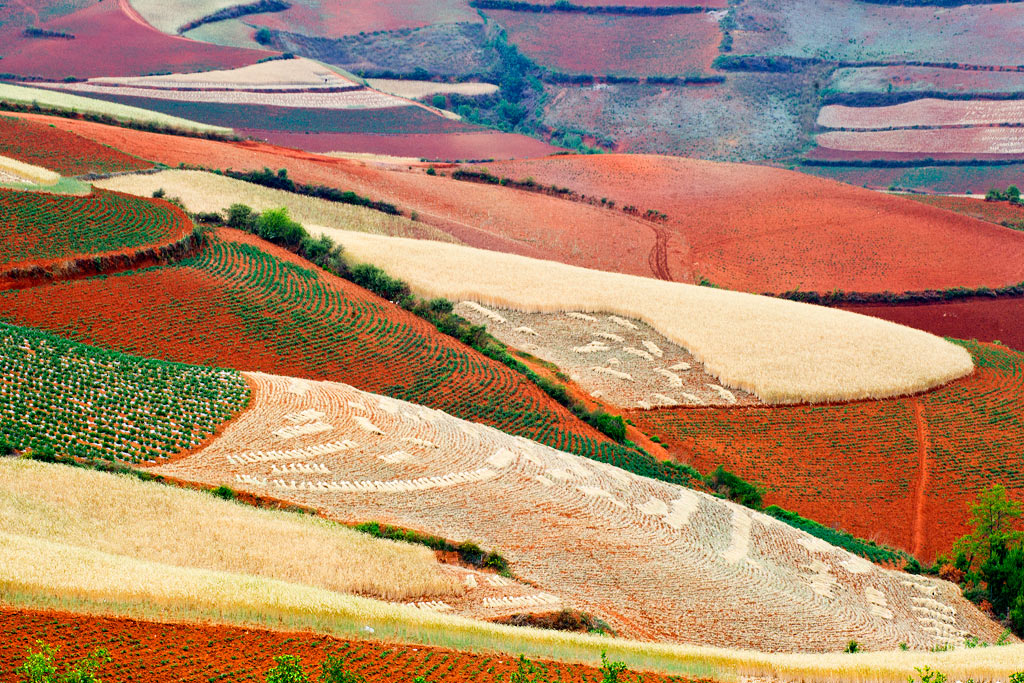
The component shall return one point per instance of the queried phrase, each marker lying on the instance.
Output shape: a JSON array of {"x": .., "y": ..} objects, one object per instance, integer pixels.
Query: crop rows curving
[
  {"x": 60, "y": 151},
  {"x": 88, "y": 402},
  {"x": 901, "y": 471},
  {"x": 37, "y": 227}
]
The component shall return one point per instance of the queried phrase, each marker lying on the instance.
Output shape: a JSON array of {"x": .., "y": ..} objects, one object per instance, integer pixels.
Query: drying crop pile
[
  {"x": 681, "y": 558},
  {"x": 621, "y": 362},
  {"x": 781, "y": 351},
  {"x": 37, "y": 227},
  {"x": 86, "y": 402},
  {"x": 903, "y": 471},
  {"x": 244, "y": 304},
  {"x": 60, "y": 151}
]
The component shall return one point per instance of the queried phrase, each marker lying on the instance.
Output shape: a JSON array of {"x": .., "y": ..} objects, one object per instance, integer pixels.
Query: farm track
[{"x": 921, "y": 488}]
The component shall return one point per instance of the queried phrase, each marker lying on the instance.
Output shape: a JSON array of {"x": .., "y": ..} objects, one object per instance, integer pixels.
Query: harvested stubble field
[
  {"x": 83, "y": 401},
  {"x": 925, "y": 79},
  {"x": 779, "y": 350},
  {"x": 363, "y": 98},
  {"x": 245, "y": 304},
  {"x": 280, "y": 74},
  {"x": 770, "y": 230},
  {"x": 603, "y": 44},
  {"x": 939, "y": 143},
  {"x": 122, "y": 516},
  {"x": 20, "y": 172},
  {"x": 161, "y": 652},
  {"x": 924, "y": 113},
  {"x": 208, "y": 192},
  {"x": 39, "y": 228},
  {"x": 677, "y": 555},
  {"x": 60, "y": 151},
  {"x": 901, "y": 471},
  {"x": 982, "y": 34},
  {"x": 139, "y": 48},
  {"x": 625, "y": 363},
  {"x": 417, "y": 89}
]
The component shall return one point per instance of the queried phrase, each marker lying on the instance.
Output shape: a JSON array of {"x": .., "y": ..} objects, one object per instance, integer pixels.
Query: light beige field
[
  {"x": 625, "y": 363},
  {"x": 658, "y": 561},
  {"x": 169, "y": 15},
  {"x": 60, "y": 100},
  {"x": 12, "y": 170},
  {"x": 147, "y": 521},
  {"x": 417, "y": 89},
  {"x": 201, "y": 191},
  {"x": 781, "y": 351},
  {"x": 280, "y": 74},
  {"x": 349, "y": 99},
  {"x": 924, "y": 112},
  {"x": 971, "y": 140}
]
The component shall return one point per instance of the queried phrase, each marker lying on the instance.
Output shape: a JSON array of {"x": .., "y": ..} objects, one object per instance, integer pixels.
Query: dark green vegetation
[
  {"x": 39, "y": 667},
  {"x": 62, "y": 398},
  {"x": 258, "y": 7},
  {"x": 281, "y": 181},
  {"x": 469, "y": 553}
]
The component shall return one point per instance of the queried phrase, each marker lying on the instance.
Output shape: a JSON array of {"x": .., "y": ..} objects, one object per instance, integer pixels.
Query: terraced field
[
  {"x": 37, "y": 228},
  {"x": 677, "y": 562},
  {"x": 935, "y": 143},
  {"x": 901, "y": 471},
  {"x": 244, "y": 304},
  {"x": 60, "y": 151},
  {"x": 924, "y": 113},
  {"x": 87, "y": 402}
]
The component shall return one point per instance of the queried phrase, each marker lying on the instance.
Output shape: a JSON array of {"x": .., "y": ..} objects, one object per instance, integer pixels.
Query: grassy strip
[
  {"x": 281, "y": 181},
  {"x": 469, "y": 553}
]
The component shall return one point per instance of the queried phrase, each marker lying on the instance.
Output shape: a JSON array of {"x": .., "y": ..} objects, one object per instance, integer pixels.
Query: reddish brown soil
[
  {"x": 993, "y": 212},
  {"x": 440, "y": 147},
  {"x": 332, "y": 19},
  {"x": 66, "y": 153},
  {"x": 138, "y": 49},
  {"x": 602, "y": 44},
  {"x": 199, "y": 653},
  {"x": 770, "y": 230},
  {"x": 857, "y": 466}
]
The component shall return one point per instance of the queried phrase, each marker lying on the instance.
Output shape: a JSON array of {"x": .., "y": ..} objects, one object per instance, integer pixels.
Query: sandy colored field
[
  {"x": 677, "y": 562},
  {"x": 59, "y": 100},
  {"x": 924, "y": 112},
  {"x": 924, "y": 79},
  {"x": 332, "y": 19},
  {"x": 280, "y": 74},
  {"x": 770, "y": 230},
  {"x": 125, "y": 517},
  {"x": 20, "y": 172},
  {"x": 781, "y": 351},
  {"x": 937, "y": 143},
  {"x": 625, "y": 363},
  {"x": 417, "y": 89},
  {"x": 201, "y": 191},
  {"x": 168, "y": 15}
]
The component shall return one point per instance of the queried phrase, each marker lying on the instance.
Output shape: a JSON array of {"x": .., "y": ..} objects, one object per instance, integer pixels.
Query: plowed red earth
[
  {"x": 245, "y": 304},
  {"x": 137, "y": 50},
  {"x": 478, "y": 215},
  {"x": 60, "y": 151},
  {"x": 199, "y": 653},
  {"x": 436, "y": 147},
  {"x": 858, "y": 466},
  {"x": 770, "y": 230},
  {"x": 994, "y": 212}
]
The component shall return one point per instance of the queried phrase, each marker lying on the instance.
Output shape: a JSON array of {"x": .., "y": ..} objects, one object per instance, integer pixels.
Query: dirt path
[
  {"x": 659, "y": 255},
  {"x": 921, "y": 490}
]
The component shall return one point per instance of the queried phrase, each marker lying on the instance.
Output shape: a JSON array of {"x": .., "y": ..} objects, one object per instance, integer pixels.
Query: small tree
[
  {"x": 333, "y": 670},
  {"x": 993, "y": 518},
  {"x": 242, "y": 217},
  {"x": 1013, "y": 193},
  {"x": 38, "y": 666},
  {"x": 611, "y": 672},
  {"x": 288, "y": 670},
  {"x": 277, "y": 226}
]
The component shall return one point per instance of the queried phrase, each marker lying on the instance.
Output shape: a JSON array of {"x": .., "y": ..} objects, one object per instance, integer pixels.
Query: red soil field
[
  {"x": 943, "y": 143},
  {"x": 984, "y": 319},
  {"x": 763, "y": 229},
  {"x": 60, "y": 151},
  {"x": 330, "y": 19},
  {"x": 994, "y": 212},
  {"x": 859, "y": 466},
  {"x": 138, "y": 49},
  {"x": 245, "y": 304},
  {"x": 960, "y": 179},
  {"x": 614, "y": 44},
  {"x": 161, "y": 652},
  {"x": 435, "y": 147}
]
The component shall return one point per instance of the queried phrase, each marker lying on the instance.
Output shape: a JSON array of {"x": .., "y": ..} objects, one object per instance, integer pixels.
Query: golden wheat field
[
  {"x": 19, "y": 171},
  {"x": 781, "y": 351}
]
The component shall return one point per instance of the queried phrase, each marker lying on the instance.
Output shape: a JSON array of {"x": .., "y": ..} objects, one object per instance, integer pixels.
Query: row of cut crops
[{"x": 86, "y": 402}]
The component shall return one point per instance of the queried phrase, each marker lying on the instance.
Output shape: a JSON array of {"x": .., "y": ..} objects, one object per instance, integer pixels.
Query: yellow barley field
[
  {"x": 122, "y": 516},
  {"x": 781, "y": 351},
  {"x": 417, "y": 89},
  {"x": 22, "y": 172}
]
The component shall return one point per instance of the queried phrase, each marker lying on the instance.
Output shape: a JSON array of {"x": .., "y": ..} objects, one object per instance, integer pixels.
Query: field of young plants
[
  {"x": 859, "y": 466},
  {"x": 680, "y": 556},
  {"x": 86, "y": 402},
  {"x": 37, "y": 228},
  {"x": 60, "y": 151}
]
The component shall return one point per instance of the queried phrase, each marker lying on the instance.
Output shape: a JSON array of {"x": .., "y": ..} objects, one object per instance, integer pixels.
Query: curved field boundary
[
  {"x": 856, "y": 466},
  {"x": 781, "y": 351},
  {"x": 65, "y": 153}
]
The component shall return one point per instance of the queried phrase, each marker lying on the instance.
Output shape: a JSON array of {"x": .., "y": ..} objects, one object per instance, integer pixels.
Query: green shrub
[
  {"x": 224, "y": 492},
  {"x": 288, "y": 670},
  {"x": 333, "y": 670},
  {"x": 737, "y": 489}
]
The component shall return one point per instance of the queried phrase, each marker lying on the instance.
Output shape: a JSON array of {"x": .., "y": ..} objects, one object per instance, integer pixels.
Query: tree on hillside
[{"x": 993, "y": 518}]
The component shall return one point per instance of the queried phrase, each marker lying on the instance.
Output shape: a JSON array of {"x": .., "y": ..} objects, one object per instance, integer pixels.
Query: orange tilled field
[
  {"x": 902, "y": 472},
  {"x": 199, "y": 653}
]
